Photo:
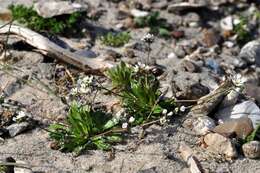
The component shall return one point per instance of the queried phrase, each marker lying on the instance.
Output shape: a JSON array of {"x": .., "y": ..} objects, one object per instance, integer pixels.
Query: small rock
[
  {"x": 139, "y": 13},
  {"x": 227, "y": 24},
  {"x": 17, "y": 128},
  {"x": 86, "y": 53},
  {"x": 252, "y": 149},
  {"x": 190, "y": 66},
  {"x": 213, "y": 64},
  {"x": 191, "y": 18},
  {"x": 175, "y": 7},
  {"x": 220, "y": 145},
  {"x": 162, "y": 4},
  {"x": 112, "y": 55},
  {"x": 172, "y": 55},
  {"x": 253, "y": 91},
  {"x": 49, "y": 9},
  {"x": 179, "y": 51},
  {"x": 121, "y": 15},
  {"x": 210, "y": 37},
  {"x": 128, "y": 22},
  {"x": 177, "y": 34},
  {"x": 251, "y": 52},
  {"x": 129, "y": 53},
  {"x": 245, "y": 109},
  {"x": 242, "y": 127},
  {"x": 200, "y": 125}
]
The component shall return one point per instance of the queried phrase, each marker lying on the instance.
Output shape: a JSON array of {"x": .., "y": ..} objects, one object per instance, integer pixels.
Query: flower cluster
[
  {"x": 238, "y": 80},
  {"x": 20, "y": 117},
  {"x": 130, "y": 121},
  {"x": 180, "y": 109},
  {"x": 84, "y": 86},
  {"x": 141, "y": 67},
  {"x": 148, "y": 38}
]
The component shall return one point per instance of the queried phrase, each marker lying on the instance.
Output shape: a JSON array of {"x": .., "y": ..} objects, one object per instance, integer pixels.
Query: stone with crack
[
  {"x": 252, "y": 149},
  {"x": 49, "y": 9},
  {"x": 220, "y": 145},
  {"x": 241, "y": 127}
]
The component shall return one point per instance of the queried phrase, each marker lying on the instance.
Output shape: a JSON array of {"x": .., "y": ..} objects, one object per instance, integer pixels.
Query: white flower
[
  {"x": 164, "y": 111},
  {"x": 170, "y": 114},
  {"x": 136, "y": 68},
  {"x": 74, "y": 91},
  {"x": 148, "y": 38},
  {"x": 163, "y": 120},
  {"x": 88, "y": 80},
  {"x": 124, "y": 125},
  {"x": 131, "y": 120},
  {"x": 182, "y": 108},
  {"x": 20, "y": 116},
  {"x": 141, "y": 66},
  {"x": 239, "y": 80},
  {"x": 84, "y": 89}
]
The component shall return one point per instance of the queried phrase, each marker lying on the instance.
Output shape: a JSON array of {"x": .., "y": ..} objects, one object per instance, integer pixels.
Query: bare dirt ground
[{"x": 29, "y": 79}]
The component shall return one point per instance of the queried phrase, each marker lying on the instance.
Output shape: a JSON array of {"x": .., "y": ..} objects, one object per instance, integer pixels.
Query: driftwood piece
[
  {"x": 49, "y": 48},
  {"x": 192, "y": 161},
  {"x": 208, "y": 103}
]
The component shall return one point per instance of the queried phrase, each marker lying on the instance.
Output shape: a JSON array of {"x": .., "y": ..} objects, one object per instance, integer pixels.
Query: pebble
[
  {"x": 139, "y": 13},
  {"x": 49, "y": 9},
  {"x": 251, "y": 52},
  {"x": 220, "y": 145},
  {"x": 227, "y": 23},
  {"x": 172, "y": 55},
  {"x": 251, "y": 149},
  {"x": 200, "y": 125},
  {"x": 245, "y": 109},
  {"x": 242, "y": 127},
  {"x": 176, "y": 7},
  {"x": 17, "y": 128},
  {"x": 190, "y": 66},
  {"x": 210, "y": 37}
]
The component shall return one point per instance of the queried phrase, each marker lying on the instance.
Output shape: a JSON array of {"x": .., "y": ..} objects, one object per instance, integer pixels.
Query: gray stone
[
  {"x": 200, "y": 125},
  {"x": 242, "y": 127},
  {"x": 175, "y": 7},
  {"x": 49, "y": 9},
  {"x": 245, "y": 109},
  {"x": 252, "y": 149},
  {"x": 17, "y": 128},
  {"x": 220, "y": 145},
  {"x": 139, "y": 13},
  {"x": 86, "y": 53},
  {"x": 251, "y": 52}
]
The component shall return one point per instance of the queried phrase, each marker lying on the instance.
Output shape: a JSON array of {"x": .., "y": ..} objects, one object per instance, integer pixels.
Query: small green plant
[
  {"x": 120, "y": 75},
  {"x": 30, "y": 18},
  {"x": 139, "y": 91},
  {"x": 157, "y": 26},
  {"x": 85, "y": 129},
  {"x": 116, "y": 39},
  {"x": 3, "y": 169},
  {"x": 242, "y": 31},
  {"x": 254, "y": 135}
]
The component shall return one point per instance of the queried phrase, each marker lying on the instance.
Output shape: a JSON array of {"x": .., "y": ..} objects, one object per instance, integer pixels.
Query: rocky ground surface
[{"x": 202, "y": 50}]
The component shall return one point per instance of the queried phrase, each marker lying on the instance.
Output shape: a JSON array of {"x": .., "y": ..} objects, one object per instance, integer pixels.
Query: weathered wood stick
[
  {"x": 49, "y": 48},
  {"x": 192, "y": 161}
]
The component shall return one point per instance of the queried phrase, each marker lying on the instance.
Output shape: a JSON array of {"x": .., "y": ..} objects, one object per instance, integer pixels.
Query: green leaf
[
  {"x": 164, "y": 32},
  {"x": 254, "y": 134}
]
